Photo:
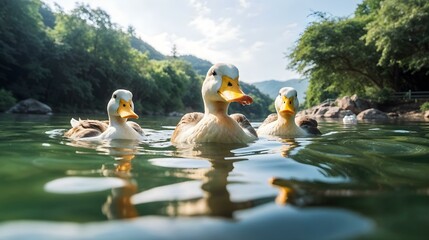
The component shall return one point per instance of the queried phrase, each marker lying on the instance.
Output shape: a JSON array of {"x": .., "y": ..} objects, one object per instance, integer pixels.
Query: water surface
[{"x": 362, "y": 181}]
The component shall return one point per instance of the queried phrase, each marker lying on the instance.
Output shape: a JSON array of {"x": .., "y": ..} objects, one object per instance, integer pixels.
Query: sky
[{"x": 254, "y": 35}]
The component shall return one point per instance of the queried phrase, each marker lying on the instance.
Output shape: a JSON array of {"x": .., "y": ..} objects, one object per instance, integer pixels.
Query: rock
[
  {"x": 344, "y": 113},
  {"x": 353, "y": 103},
  {"x": 372, "y": 113},
  {"x": 393, "y": 115},
  {"x": 333, "y": 112},
  {"x": 175, "y": 114},
  {"x": 30, "y": 106},
  {"x": 360, "y": 104},
  {"x": 320, "y": 112},
  {"x": 346, "y": 103},
  {"x": 413, "y": 115},
  {"x": 426, "y": 114}
]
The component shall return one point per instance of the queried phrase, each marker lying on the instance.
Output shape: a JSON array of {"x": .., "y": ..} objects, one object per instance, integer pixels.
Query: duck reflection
[
  {"x": 118, "y": 204},
  {"x": 289, "y": 144},
  {"x": 214, "y": 198}
]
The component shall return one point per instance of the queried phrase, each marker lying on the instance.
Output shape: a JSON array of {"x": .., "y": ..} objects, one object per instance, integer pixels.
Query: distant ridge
[{"x": 271, "y": 87}]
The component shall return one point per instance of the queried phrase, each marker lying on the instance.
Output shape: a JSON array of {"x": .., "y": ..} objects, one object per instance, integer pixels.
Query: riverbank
[{"x": 364, "y": 109}]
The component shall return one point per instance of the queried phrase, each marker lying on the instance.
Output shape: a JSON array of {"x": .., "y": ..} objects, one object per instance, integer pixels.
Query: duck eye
[
  {"x": 114, "y": 96},
  {"x": 214, "y": 73},
  {"x": 229, "y": 84},
  {"x": 124, "y": 105}
]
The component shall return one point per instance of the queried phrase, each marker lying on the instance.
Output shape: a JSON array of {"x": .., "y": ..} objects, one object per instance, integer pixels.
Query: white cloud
[
  {"x": 244, "y": 3},
  {"x": 200, "y": 7},
  {"x": 216, "y": 31},
  {"x": 250, "y": 34}
]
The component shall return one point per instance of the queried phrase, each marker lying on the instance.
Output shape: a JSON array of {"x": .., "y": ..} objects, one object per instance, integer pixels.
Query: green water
[{"x": 366, "y": 181}]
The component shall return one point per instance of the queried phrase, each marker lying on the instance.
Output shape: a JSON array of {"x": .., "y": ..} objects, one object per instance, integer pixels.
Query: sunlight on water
[{"x": 330, "y": 186}]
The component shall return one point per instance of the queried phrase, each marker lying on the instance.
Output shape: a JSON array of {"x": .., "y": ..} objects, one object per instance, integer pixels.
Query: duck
[
  {"x": 220, "y": 87},
  {"x": 119, "y": 109},
  {"x": 283, "y": 123}
]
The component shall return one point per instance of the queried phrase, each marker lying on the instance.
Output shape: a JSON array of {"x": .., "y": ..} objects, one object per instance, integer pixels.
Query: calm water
[{"x": 365, "y": 181}]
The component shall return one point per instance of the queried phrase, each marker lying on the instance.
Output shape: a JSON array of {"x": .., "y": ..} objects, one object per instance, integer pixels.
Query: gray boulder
[
  {"x": 360, "y": 104},
  {"x": 373, "y": 114},
  {"x": 353, "y": 103},
  {"x": 346, "y": 103},
  {"x": 30, "y": 106}
]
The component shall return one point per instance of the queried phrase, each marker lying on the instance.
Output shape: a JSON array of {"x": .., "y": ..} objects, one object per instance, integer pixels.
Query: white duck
[
  {"x": 219, "y": 89},
  {"x": 119, "y": 109},
  {"x": 283, "y": 123}
]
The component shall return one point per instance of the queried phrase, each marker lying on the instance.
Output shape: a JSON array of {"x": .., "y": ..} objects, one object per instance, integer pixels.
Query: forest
[
  {"x": 383, "y": 48},
  {"x": 74, "y": 61}
]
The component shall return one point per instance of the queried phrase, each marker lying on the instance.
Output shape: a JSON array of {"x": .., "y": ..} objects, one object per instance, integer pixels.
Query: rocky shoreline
[
  {"x": 365, "y": 110},
  {"x": 335, "y": 109}
]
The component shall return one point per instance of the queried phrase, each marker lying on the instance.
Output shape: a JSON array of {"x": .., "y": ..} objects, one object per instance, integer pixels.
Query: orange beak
[
  {"x": 125, "y": 109},
  {"x": 230, "y": 91}
]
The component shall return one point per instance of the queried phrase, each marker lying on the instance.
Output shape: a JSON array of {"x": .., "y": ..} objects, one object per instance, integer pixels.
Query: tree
[
  {"x": 336, "y": 60},
  {"x": 22, "y": 45},
  {"x": 384, "y": 46},
  {"x": 400, "y": 31}
]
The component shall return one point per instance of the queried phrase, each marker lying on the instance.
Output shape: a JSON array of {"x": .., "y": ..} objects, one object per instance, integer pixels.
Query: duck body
[
  {"x": 283, "y": 123},
  {"x": 119, "y": 109},
  {"x": 212, "y": 128},
  {"x": 281, "y": 127},
  {"x": 214, "y": 125}
]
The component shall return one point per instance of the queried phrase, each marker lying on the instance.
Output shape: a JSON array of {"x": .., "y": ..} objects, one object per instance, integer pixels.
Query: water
[{"x": 363, "y": 181}]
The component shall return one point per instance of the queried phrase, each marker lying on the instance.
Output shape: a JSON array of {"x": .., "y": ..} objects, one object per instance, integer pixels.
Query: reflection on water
[
  {"x": 215, "y": 198},
  {"x": 343, "y": 179}
]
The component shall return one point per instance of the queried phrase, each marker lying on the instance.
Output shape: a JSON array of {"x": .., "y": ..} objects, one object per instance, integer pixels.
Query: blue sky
[{"x": 254, "y": 35}]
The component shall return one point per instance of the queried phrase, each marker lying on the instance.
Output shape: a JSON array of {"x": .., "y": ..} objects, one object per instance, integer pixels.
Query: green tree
[
  {"x": 400, "y": 31},
  {"x": 383, "y": 47},
  {"x": 336, "y": 60},
  {"x": 22, "y": 46}
]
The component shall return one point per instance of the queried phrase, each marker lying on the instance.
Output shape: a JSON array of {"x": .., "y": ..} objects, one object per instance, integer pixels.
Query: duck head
[
  {"x": 286, "y": 102},
  {"x": 221, "y": 85},
  {"x": 121, "y": 105}
]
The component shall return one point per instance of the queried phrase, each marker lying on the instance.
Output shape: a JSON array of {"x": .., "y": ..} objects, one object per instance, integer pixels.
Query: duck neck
[
  {"x": 116, "y": 121},
  {"x": 288, "y": 120},
  {"x": 216, "y": 108}
]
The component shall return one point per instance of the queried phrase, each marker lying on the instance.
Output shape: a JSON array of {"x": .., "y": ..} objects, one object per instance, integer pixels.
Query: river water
[{"x": 364, "y": 181}]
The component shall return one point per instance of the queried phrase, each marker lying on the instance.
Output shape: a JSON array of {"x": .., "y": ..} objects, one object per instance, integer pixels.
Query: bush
[
  {"x": 424, "y": 107},
  {"x": 379, "y": 95},
  {"x": 6, "y": 100}
]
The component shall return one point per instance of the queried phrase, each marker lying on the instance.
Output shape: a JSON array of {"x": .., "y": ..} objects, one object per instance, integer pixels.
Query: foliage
[
  {"x": 200, "y": 66},
  {"x": 381, "y": 96},
  {"x": 144, "y": 47},
  {"x": 74, "y": 61},
  {"x": 367, "y": 51},
  {"x": 6, "y": 100},
  {"x": 259, "y": 107},
  {"x": 424, "y": 107},
  {"x": 400, "y": 31}
]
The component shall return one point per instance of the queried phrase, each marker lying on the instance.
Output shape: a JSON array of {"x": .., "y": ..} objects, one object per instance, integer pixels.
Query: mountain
[
  {"x": 272, "y": 87},
  {"x": 144, "y": 47},
  {"x": 200, "y": 66}
]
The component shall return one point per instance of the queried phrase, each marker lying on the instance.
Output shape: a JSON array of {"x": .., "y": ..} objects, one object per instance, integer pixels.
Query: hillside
[
  {"x": 144, "y": 47},
  {"x": 200, "y": 66},
  {"x": 271, "y": 87}
]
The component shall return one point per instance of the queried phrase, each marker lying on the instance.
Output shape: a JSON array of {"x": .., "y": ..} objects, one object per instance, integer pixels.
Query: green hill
[
  {"x": 144, "y": 47},
  {"x": 200, "y": 66},
  {"x": 271, "y": 87}
]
